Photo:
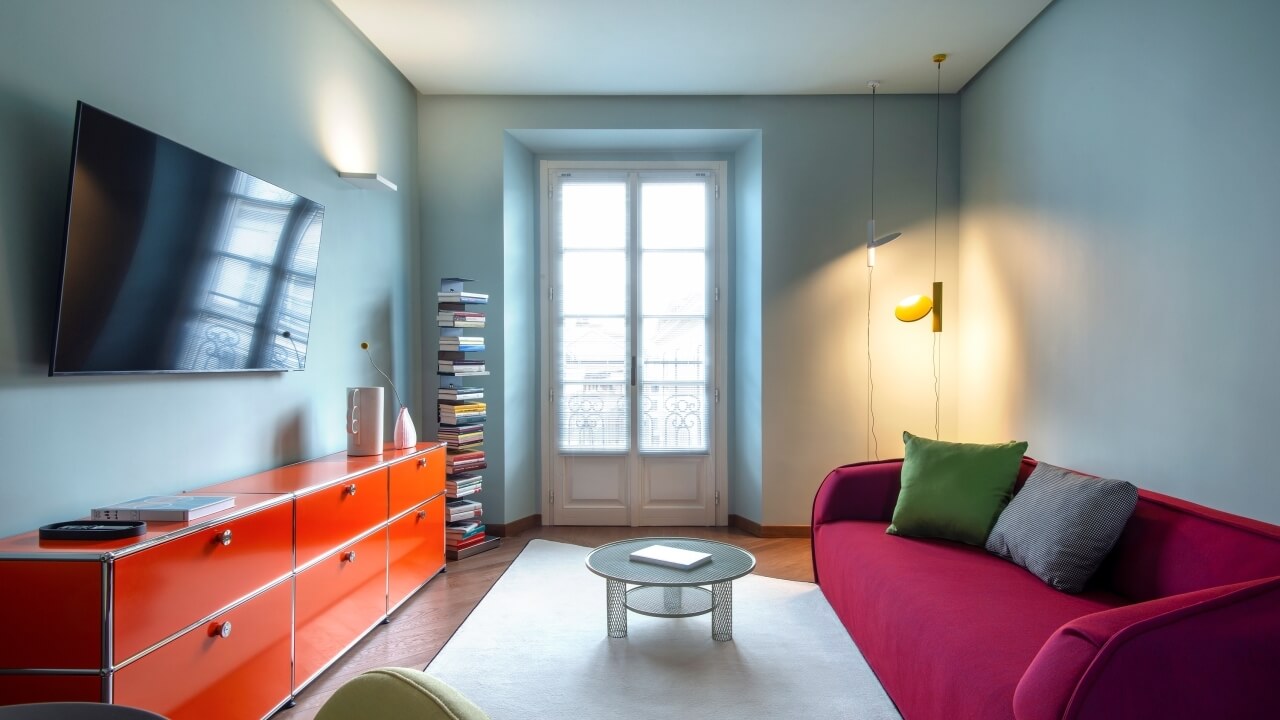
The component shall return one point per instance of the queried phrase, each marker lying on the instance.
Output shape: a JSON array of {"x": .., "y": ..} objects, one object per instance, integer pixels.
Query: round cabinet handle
[
  {"x": 422, "y": 514},
  {"x": 224, "y": 538},
  {"x": 351, "y": 489},
  {"x": 224, "y": 630},
  {"x": 422, "y": 462},
  {"x": 349, "y": 556}
]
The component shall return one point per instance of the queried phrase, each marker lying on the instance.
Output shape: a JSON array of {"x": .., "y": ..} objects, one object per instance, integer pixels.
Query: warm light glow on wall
[
  {"x": 991, "y": 362},
  {"x": 344, "y": 123}
]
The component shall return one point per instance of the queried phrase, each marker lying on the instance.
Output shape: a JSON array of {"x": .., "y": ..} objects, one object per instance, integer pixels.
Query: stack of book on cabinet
[{"x": 462, "y": 414}]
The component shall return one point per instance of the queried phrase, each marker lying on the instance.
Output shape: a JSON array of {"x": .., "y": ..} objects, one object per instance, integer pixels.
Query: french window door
[{"x": 630, "y": 339}]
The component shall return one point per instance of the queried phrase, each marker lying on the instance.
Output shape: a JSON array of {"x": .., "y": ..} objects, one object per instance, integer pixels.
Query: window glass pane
[
  {"x": 673, "y": 417},
  {"x": 673, "y": 215},
  {"x": 673, "y": 350},
  {"x": 593, "y": 350},
  {"x": 593, "y": 283},
  {"x": 593, "y": 216},
  {"x": 673, "y": 283},
  {"x": 593, "y": 417}
]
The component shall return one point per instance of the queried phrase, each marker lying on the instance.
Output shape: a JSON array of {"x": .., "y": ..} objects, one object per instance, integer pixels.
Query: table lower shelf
[{"x": 669, "y": 602}]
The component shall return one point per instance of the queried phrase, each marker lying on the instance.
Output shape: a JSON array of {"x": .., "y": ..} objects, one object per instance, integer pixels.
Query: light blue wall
[
  {"x": 1119, "y": 253},
  {"x": 814, "y": 203},
  {"x": 520, "y": 397},
  {"x": 283, "y": 90},
  {"x": 746, "y": 419}
]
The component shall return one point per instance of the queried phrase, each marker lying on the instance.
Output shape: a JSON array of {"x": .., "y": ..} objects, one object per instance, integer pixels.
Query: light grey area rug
[{"x": 536, "y": 647}]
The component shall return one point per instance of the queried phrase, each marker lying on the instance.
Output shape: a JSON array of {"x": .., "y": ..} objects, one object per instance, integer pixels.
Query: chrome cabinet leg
[
  {"x": 616, "y": 608},
  {"x": 722, "y": 611}
]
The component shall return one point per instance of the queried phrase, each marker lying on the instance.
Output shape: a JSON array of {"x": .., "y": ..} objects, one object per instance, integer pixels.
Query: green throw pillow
[{"x": 954, "y": 491}]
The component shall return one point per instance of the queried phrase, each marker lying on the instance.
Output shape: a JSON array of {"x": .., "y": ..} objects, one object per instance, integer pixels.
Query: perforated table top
[{"x": 613, "y": 561}]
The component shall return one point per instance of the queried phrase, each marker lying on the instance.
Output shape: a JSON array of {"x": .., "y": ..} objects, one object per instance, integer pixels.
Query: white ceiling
[{"x": 714, "y": 47}]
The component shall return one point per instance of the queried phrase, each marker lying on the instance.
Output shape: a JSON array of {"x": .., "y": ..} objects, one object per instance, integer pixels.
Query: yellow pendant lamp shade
[
  {"x": 913, "y": 308},
  {"x": 916, "y": 307}
]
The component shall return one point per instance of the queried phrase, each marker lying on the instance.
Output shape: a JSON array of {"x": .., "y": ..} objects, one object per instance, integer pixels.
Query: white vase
[
  {"x": 405, "y": 435},
  {"x": 364, "y": 421}
]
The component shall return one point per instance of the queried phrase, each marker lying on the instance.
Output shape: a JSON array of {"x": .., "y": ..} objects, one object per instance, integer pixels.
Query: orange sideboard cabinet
[
  {"x": 230, "y": 615},
  {"x": 163, "y": 621}
]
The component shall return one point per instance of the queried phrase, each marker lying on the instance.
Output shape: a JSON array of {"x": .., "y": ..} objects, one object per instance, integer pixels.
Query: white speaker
[{"x": 364, "y": 421}]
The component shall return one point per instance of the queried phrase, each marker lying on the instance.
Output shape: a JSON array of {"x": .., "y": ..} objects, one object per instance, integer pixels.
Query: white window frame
[{"x": 720, "y": 313}]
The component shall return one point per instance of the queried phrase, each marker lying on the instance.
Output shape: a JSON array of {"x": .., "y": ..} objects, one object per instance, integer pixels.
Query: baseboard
[
  {"x": 768, "y": 531},
  {"x": 746, "y": 525},
  {"x": 513, "y": 528}
]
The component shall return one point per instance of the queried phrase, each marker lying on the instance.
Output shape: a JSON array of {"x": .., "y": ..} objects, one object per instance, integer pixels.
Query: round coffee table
[{"x": 670, "y": 592}]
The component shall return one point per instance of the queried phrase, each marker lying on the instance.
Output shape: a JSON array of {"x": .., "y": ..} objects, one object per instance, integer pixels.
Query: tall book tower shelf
[{"x": 462, "y": 415}]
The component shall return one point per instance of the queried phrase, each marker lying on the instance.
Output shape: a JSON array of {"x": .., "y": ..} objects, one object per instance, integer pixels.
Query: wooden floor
[{"x": 423, "y": 624}]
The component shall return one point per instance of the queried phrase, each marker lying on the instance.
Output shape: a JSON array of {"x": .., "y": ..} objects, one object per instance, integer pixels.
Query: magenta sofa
[{"x": 1182, "y": 621}]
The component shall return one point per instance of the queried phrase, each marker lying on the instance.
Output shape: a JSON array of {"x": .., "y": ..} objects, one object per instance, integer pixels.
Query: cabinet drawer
[
  {"x": 415, "y": 550},
  {"x": 52, "y": 614},
  {"x": 416, "y": 479},
  {"x": 163, "y": 589},
  {"x": 338, "y": 599},
  {"x": 202, "y": 674},
  {"x": 337, "y": 514},
  {"x": 22, "y": 689}
]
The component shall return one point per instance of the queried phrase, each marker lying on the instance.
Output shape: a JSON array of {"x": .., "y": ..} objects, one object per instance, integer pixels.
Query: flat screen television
[{"x": 177, "y": 263}]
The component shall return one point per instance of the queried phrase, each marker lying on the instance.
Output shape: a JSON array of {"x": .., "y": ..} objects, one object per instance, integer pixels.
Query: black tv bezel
[{"x": 66, "y": 242}]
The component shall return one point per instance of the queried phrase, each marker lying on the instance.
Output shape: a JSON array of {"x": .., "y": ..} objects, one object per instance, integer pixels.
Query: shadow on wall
[
  {"x": 289, "y": 437},
  {"x": 33, "y": 196}
]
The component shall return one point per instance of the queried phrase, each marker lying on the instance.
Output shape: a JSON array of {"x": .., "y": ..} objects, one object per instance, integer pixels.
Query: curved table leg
[
  {"x": 722, "y": 611},
  {"x": 616, "y": 608}
]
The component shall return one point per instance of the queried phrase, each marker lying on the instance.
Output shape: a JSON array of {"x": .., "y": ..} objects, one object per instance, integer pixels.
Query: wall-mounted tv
[{"x": 175, "y": 262}]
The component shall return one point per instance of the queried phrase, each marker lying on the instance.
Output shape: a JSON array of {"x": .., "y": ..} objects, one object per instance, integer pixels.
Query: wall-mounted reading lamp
[
  {"x": 916, "y": 307},
  {"x": 368, "y": 181}
]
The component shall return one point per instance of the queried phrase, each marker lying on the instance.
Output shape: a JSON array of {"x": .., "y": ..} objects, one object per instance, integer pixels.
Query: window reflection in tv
[{"x": 176, "y": 262}]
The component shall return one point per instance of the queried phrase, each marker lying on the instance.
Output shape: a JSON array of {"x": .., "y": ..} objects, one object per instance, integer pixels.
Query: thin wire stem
[
  {"x": 937, "y": 174},
  {"x": 871, "y": 384},
  {"x": 873, "y": 154},
  {"x": 389, "y": 382}
]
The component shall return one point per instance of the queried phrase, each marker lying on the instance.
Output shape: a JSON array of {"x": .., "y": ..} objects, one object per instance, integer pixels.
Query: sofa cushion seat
[{"x": 949, "y": 629}]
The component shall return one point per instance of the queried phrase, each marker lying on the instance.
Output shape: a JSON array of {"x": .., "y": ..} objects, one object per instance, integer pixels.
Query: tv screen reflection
[{"x": 176, "y": 262}]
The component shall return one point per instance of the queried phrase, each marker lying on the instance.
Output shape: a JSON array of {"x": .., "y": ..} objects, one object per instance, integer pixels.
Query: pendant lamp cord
[
  {"x": 873, "y": 443},
  {"x": 937, "y": 173}
]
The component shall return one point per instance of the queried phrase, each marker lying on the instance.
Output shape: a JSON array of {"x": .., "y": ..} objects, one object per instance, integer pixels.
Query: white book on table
[{"x": 671, "y": 557}]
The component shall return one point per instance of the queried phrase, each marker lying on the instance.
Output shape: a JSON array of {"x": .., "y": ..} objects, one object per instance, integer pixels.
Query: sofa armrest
[
  {"x": 862, "y": 491},
  {"x": 1208, "y": 653}
]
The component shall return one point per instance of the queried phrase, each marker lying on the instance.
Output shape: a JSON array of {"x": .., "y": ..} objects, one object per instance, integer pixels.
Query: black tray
[{"x": 93, "y": 530}]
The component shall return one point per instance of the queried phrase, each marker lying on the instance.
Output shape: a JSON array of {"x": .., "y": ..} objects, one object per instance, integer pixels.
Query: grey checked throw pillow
[{"x": 1062, "y": 524}]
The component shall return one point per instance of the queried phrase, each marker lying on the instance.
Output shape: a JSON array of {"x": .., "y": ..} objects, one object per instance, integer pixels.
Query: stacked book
[
  {"x": 463, "y": 535},
  {"x": 452, "y": 296},
  {"x": 462, "y": 413},
  {"x": 459, "y": 510},
  {"x": 457, "y": 461},
  {"x": 461, "y": 367},
  {"x": 461, "y": 393},
  {"x": 466, "y": 437},
  {"x": 459, "y": 319},
  {"x": 462, "y": 343},
  {"x": 461, "y": 485}
]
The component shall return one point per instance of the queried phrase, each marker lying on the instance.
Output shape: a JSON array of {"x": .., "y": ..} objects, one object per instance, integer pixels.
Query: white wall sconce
[{"x": 368, "y": 181}]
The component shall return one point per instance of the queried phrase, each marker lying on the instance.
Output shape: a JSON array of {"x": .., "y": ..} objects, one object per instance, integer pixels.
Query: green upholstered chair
[{"x": 398, "y": 693}]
